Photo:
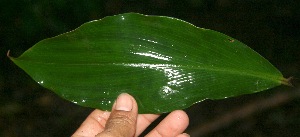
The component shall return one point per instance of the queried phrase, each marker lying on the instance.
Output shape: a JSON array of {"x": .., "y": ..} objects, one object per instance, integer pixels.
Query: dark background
[{"x": 270, "y": 27}]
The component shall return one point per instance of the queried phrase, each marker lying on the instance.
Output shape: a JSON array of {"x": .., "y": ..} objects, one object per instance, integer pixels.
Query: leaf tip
[
  {"x": 10, "y": 57},
  {"x": 8, "y": 54}
]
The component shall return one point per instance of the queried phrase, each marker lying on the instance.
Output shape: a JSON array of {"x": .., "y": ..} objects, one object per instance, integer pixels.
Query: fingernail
[
  {"x": 124, "y": 102},
  {"x": 186, "y": 135}
]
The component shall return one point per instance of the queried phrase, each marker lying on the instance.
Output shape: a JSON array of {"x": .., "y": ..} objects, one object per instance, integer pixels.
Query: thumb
[{"x": 122, "y": 120}]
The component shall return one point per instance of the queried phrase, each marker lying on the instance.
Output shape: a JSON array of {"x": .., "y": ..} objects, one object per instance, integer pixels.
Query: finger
[
  {"x": 93, "y": 124},
  {"x": 173, "y": 125},
  {"x": 123, "y": 118},
  {"x": 143, "y": 121}
]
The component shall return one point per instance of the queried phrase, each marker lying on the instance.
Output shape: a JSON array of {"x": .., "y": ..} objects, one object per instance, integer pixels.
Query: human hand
[{"x": 124, "y": 121}]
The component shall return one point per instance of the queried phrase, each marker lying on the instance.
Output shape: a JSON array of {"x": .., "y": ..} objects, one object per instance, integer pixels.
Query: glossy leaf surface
[{"x": 165, "y": 63}]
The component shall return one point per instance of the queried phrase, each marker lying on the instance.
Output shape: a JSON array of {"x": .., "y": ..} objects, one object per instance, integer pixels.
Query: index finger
[
  {"x": 93, "y": 124},
  {"x": 143, "y": 121}
]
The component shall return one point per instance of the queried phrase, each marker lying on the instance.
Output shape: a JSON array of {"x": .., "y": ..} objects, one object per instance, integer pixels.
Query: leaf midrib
[{"x": 187, "y": 67}]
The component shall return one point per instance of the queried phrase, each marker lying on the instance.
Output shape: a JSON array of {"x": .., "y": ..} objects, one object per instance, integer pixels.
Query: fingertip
[
  {"x": 173, "y": 125},
  {"x": 123, "y": 118},
  {"x": 181, "y": 116},
  {"x": 125, "y": 102}
]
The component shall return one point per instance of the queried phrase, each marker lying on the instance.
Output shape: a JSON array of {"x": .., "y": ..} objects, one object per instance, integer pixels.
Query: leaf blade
[{"x": 158, "y": 60}]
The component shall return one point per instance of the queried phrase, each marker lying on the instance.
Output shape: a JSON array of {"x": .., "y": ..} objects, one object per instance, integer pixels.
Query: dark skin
[{"x": 124, "y": 121}]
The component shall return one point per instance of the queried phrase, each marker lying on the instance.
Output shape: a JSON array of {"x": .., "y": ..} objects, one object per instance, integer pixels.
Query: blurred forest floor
[{"x": 270, "y": 27}]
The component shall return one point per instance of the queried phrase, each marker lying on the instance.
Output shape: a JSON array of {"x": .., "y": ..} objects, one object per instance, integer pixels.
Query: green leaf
[{"x": 165, "y": 63}]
